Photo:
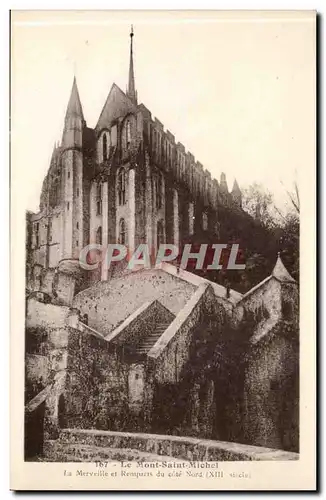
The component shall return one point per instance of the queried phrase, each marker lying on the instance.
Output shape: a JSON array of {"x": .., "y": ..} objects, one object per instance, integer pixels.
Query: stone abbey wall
[{"x": 222, "y": 369}]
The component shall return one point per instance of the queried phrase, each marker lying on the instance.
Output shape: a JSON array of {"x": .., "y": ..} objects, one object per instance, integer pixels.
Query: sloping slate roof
[{"x": 116, "y": 106}]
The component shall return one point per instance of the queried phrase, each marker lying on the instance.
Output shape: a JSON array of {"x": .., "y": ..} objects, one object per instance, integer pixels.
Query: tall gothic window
[
  {"x": 99, "y": 199},
  {"x": 160, "y": 233},
  {"x": 122, "y": 232},
  {"x": 50, "y": 229},
  {"x": 154, "y": 139},
  {"x": 191, "y": 218},
  {"x": 158, "y": 190},
  {"x": 105, "y": 147},
  {"x": 54, "y": 192},
  {"x": 159, "y": 147},
  {"x": 121, "y": 186},
  {"x": 205, "y": 221},
  {"x": 128, "y": 133},
  {"x": 37, "y": 234},
  {"x": 99, "y": 235}
]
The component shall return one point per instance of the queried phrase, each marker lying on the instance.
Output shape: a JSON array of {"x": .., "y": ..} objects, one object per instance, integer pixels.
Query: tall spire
[
  {"x": 74, "y": 120},
  {"x": 74, "y": 105},
  {"x": 236, "y": 188},
  {"x": 131, "y": 91}
]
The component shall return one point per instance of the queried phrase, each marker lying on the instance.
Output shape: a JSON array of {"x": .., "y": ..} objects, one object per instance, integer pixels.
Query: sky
[{"x": 237, "y": 91}]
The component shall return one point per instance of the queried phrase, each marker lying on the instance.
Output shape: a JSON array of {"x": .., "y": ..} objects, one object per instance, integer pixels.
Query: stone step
[
  {"x": 149, "y": 342},
  {"x": 159, "y": 329},
  {"x": 152, "y": 338},
  {"x": 154, "y": 335}
]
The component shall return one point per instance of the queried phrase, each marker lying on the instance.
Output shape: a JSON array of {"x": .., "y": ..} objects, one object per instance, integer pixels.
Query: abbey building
[
  {"x": 161, "y": 353},
  {"x": 126, "y": 181}
]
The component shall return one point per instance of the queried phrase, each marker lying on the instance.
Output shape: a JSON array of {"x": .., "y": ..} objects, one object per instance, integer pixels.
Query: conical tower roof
[
  {"x": 281, "y": 273},
  {"x": 74, "y": 105},
  {"x": 74, "y": 120},
  {"x": 236, "y": 188}
]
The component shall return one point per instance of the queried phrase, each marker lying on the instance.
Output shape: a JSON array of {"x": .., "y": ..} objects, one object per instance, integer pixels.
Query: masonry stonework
[{"x": 161, "y": 350}]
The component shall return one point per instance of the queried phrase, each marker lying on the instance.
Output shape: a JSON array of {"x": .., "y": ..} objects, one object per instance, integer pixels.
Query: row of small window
[
  {"x": 122, "y": 239},
  {"x": 121, "y": 187},
  {"x": 50, "y": 232},
  {"x": 126, "y": 140},
  {"x": 121, "y": 190},
  {"x": 122, "y": 233},
  {"x": 167, "y": 150},
  {"x": 199, "y": 183},
  {"x": 157, "y": 147},
  {"x": 37, "y": 233},
  {"x": 159, "y": 186}
]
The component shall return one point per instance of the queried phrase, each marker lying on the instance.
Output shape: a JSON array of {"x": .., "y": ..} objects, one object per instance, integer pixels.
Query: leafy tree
[{"x": 259, "y": 203}]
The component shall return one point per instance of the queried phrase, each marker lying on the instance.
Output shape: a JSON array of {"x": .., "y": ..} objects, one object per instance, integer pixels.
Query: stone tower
[{"x": 72, "y": 176}]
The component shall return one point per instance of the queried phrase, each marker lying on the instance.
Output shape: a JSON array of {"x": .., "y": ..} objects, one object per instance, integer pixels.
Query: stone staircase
[{"x": 147, "y": 343}]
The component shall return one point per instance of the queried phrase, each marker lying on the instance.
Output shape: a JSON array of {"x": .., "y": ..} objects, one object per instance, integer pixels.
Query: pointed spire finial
[
  {"x": 280, "y": 272},
  {"x": 131, "y": 92},
  {"x": 74, "y": 104},
  {"x": 74, "y": 120},
  {"x": 236, "y": 186}
]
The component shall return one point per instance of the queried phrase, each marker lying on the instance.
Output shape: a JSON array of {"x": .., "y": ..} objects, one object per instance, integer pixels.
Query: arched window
[
  {"x": 205, "y": 221},
  {"x": 37, "y": 234},
  {"x": 62, "y": 412},
  {"x": 128, "y": 133},
  {"x": 158, "y": 190},
  {"x": 121, "y": 186},
  {"x": 105, "y": 147},
  {"x": 50, "y": 230},
  {"x": 99, "y": 235},
  {"x": 99, "y": 199},
  {"x": 160, "y": 233},
  {"x": 122, "y": 232}
]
